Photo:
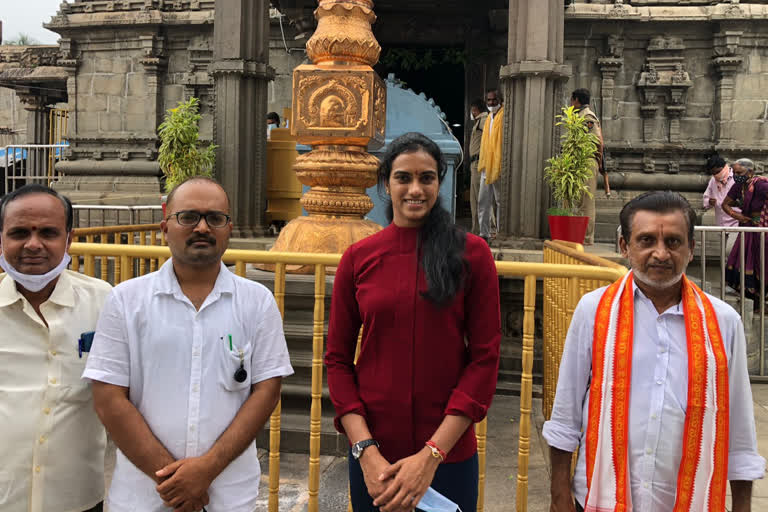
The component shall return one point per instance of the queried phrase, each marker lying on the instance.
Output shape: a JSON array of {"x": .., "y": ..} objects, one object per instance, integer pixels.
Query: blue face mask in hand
[{"x": 433, "y": 501}]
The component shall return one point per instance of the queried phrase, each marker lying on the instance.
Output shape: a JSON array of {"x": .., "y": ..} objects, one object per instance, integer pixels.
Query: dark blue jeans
[{"x": 456, "y": 481}]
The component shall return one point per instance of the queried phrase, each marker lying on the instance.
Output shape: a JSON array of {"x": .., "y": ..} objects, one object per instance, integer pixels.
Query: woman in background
[
  {"x": 427, "y": 294},
  {"x": 749, "y": 192}
]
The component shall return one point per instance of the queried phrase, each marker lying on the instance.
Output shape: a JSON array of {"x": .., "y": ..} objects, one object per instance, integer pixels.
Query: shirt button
[
  {"x": 648, "y": 451},
  {"x": 653, "y": 416},
  {"x": 53, "y": 352},
  {"x": 663, "y": 350},
  {"x": 192, "y": 428},
  {"x": 37, "y": 469},
  {"x": 645, "y": 484},
  {"x": 195, "y": 388},
  {"x": 659, "y": 382},
  {"x": 42, "y": 439},
  {"x": 53, "y": 380},
  {"x": 47, "y": 410}
]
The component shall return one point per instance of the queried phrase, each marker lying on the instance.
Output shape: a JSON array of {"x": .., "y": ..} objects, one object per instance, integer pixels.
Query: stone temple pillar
[
  {"x": 37, "y": 132},
  {"x": 241, "y": 71},
  {"x": 532, "y": 86}
]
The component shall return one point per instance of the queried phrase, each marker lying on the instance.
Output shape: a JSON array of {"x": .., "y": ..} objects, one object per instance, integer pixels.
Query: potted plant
[
  {"x": 181, "y": 155},
  {"x": 567, "y": 174}
]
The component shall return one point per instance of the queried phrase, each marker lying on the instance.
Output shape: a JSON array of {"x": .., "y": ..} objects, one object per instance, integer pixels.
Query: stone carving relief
[
  {"x": 673, "y": 167},
  {"x": 649, "y": 165},
  {"x": 664, "y": 80}
]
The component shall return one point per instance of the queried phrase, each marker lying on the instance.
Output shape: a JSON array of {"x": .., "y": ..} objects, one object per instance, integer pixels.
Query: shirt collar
[
  {"x": 677, "y": 309},
  {"x": 168, "y": 284},
  {"x": 62, "y": 294}
]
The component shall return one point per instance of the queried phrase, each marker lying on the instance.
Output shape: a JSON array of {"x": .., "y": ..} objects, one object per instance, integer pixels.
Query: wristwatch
[{"x": 358, "y": 447}]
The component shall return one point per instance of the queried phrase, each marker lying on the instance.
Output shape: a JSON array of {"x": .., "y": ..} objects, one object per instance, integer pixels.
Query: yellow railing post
[
  {"x": 274, "y": 419},
  {"x": 526, "y": 393},
  {"x": 481, "y": 432},
  {"x": 317, "y": 389}
]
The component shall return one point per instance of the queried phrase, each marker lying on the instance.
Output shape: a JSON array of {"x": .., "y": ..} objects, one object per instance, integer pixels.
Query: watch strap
[{"x": 362, "y": 445}]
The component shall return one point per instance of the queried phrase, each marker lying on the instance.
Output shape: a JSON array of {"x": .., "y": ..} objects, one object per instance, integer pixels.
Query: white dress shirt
[
  {"x": 180, "y": 369},
  {"x": 718, "y": 193},
  {"x": 658, "y": 399},
  {"x": 53, "y": 443}
]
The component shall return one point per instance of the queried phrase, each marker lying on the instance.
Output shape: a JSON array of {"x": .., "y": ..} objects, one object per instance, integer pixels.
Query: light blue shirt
[{"x": 658, "y": 399}]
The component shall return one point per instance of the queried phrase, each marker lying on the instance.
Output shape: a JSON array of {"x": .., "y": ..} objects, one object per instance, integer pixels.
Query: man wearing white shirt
[
  {"x": 53, "y": 444},
  {"x": 186, "y": 368},
  {"x": 629, "y": 344},
  {"x": 717, "y": 189}
]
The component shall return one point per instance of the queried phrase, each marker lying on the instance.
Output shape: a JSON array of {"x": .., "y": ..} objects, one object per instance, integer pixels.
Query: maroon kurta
[{"x": 417, "y": 362}]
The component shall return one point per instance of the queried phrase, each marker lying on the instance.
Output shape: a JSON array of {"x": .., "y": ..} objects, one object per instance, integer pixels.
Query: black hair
[
  {"x": 497, "y": 92},
  {"x": 36, "y": 188},
  {"x": 659, "y": 201},
  {"x": 478, "y": 104},
  {"x": 715, "y": 162},
  {"x": 194, "y": 178},
  {"x": 272, "y": 116},
  {"x": 442, "y": 241},
  {"x": 582, "y": 96}
]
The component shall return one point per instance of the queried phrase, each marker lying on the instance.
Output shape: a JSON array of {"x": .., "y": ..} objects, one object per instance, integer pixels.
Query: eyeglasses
[{"x": 191, "y": 218}]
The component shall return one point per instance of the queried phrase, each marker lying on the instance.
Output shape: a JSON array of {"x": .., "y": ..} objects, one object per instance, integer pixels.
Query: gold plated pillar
[{"x": 339, "y": 105}]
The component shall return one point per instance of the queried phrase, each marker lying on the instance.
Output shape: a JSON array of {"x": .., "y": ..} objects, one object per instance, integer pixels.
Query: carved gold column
[{"x": 339, "y": 107}]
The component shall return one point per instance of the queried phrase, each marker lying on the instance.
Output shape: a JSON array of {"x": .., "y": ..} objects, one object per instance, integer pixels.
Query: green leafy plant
[
  {"x": 181, "y": 155},
  {"x": 568, "y": 172}
]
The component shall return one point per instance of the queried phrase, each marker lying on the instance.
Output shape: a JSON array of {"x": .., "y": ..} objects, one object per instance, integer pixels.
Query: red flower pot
[{"x": 568, "y": 228}]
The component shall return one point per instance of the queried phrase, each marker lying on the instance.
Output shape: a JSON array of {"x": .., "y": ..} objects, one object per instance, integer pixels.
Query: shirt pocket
[
  {"x": 74, "y": 387},
  {"x": 229, "y": 364}
]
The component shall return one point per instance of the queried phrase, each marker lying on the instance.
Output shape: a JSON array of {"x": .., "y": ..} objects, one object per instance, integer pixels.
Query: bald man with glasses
[{"x": 186, "y": 367}]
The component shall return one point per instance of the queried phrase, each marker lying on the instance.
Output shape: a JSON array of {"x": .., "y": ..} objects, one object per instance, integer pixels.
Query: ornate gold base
[{"x": 320, "y": 234}]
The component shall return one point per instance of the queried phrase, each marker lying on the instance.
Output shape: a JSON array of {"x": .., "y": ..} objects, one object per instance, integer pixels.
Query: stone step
[{"x": 294, "y": 435}]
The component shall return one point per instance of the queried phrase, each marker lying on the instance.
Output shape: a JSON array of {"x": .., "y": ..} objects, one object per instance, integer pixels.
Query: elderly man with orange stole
[{"x": 653, "y": 387}]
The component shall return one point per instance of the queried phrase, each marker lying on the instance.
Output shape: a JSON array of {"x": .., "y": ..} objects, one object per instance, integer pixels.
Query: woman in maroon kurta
[{"x": 427, "y": 295}]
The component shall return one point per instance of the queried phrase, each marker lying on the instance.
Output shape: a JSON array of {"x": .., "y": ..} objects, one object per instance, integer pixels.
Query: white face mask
[
  {"x": 493, "y": 109},
  {"x": 433, "y": 501},
  {"x": 34, "y": 283}
]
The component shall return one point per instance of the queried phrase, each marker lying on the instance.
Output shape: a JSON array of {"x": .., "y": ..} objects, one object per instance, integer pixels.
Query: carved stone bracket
[{"x": 664, "y": 79}]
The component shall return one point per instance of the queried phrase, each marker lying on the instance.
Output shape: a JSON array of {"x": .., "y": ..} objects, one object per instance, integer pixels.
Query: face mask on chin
[
  {"x": 35, "y": 283},
  {"x": 493, "y": 109}
]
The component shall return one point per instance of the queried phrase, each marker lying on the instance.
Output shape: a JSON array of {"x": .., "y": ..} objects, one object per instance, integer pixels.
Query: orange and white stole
[{"x": 703, "y": 469}]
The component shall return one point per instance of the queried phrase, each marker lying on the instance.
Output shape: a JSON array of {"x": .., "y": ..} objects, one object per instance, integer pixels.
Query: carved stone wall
[
  {"x": 672, "y": 83},
  {"x": 128, "y": 61},
  {"x": 12, "y": 118}
]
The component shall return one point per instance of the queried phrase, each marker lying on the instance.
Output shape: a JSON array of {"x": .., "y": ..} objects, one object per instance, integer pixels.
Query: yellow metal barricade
[
  {"x": 560, "y": 299},
  {"x": 58, "y": 119},
  {"x": 577, "y": 277}
]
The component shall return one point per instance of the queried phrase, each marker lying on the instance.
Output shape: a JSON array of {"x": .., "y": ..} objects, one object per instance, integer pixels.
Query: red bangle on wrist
[{"x": 436, "y": 451}]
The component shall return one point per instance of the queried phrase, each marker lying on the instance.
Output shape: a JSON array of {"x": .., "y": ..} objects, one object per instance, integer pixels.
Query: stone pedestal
[
  {"x": 241, "y": 73},
  {"x": 532, "y": 87}
]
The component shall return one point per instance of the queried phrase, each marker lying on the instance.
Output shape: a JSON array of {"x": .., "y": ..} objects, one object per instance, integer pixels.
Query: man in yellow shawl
[{"x": 490, "y": 162}]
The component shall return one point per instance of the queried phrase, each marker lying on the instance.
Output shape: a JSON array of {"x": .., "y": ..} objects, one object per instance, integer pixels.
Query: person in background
[
  {"x": 489, "y": 164},
  {"x": 477, "y": 116},
  {"x": 428, "y": 296},
  {"x": 717, "y": 189},
  {"x": 653, "y": 388},
  {"x": 273, "y": 121},
  {"x": 186, "y": 368},
  {"x": 53, "y": 444},
  {"x": 580, "y": 99},
  {"x": 747, "y": 202}
]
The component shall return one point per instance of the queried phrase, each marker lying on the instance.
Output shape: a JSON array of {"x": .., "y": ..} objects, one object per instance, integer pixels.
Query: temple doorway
[{"x": 438, "y": 72}]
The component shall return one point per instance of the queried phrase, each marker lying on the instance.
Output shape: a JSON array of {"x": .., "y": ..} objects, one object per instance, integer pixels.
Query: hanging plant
[{"x": 181, "y": 155}]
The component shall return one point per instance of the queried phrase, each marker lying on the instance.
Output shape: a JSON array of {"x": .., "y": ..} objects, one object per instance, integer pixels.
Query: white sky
[{"x": 27, "y": 17}]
